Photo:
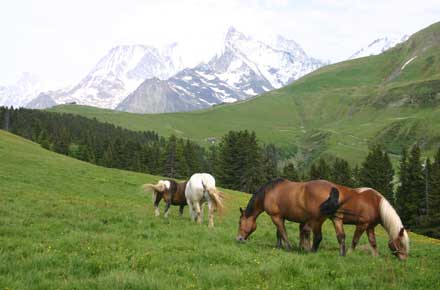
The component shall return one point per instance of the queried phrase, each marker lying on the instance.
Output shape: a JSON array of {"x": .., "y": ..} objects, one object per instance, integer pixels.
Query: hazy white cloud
[{"x": 62, "y": 40}]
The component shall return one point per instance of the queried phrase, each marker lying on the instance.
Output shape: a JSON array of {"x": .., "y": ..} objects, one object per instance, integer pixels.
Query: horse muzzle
[{"x": 240, "y": 239}]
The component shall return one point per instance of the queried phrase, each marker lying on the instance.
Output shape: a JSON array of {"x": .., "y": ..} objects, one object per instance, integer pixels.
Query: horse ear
[
  {"x": 241, "y": 210},
  {"x": 402, "y": 230}
]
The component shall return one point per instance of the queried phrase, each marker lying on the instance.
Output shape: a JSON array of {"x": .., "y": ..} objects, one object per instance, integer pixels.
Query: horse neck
[{"x": 257, "y": 206}]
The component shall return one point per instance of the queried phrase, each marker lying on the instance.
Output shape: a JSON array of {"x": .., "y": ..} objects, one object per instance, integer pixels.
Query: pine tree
[
  {"x": 402, "y": 193},
  {"x": 240, "y": 164},
  {"x": 290, "y": 172},
  {"x": 341, "y": 173},
  {"x": 377, "y": 172},
  {"x": 433, "y": 207},
  {"x": 170, "y": 159},
  {"x": 270, "y": 162},
  {"x": 320, "y": 171},
  {"x": 356, "y": 176},
  {"x": 182, "y": 168},
  {"x": 43, "y": 139},
  {"x": 411, "y": 193},
  {"x": 61, "y": 141}
]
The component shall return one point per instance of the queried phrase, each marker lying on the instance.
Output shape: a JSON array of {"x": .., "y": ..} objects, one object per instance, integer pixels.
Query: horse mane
[
  {"x": 260, "y": 194},
  {"x": 173, "y": 186},
  {"x": 392, "y": 222}
]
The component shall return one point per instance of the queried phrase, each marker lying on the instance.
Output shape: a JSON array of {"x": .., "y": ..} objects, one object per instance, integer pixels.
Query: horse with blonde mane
[
  {"x": 200, "y": 188},
  {"x": 171, "y": 191},
  {"x": 366, "y": 208}
]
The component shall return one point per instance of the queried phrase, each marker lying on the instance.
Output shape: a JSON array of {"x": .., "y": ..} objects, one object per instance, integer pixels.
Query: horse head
[
  {"x": 399, "y": 245},
  {"x": 246, "y": 226}
]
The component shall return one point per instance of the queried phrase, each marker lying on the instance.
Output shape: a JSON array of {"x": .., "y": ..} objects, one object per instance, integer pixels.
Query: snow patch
[{"x": 406, "y": 63}]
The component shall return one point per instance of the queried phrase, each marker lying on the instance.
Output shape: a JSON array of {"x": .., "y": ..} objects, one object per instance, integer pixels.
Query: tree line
[
  {"x": 108, "y": 145},
  {"x": 239, "y": 161}
]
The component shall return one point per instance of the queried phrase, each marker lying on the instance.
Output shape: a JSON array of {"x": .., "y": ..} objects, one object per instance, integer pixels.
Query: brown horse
[
  {"x": 308, "y": 203},
  {"x": 172, "y": 192},
  {"x": 366, "y": 208}
]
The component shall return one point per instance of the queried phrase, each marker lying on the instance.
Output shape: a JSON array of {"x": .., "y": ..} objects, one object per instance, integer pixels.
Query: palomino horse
[
  {"x": 201, "y": 188},
  {"x": 366, "y": 208},
  {"x": 172, "y": 192},
  {"x": 308, "y": 203}
]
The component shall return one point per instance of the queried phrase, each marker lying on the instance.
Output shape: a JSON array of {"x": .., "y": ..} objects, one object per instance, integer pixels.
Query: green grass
[
  {"x": 66, "y": 224},
  {"x": 353, "y": 101}
]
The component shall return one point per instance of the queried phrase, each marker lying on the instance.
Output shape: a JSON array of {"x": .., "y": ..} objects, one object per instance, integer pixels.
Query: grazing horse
[
  {"x": 201, "y": 188},
  {"x": 172, "y": 192},
  {"x": 366, "y": 208},
  {"x": 308, "y": 203}
]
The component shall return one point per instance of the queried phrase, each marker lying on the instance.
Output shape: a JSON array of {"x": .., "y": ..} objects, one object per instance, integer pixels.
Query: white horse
[{"x": 201, "y": 188}]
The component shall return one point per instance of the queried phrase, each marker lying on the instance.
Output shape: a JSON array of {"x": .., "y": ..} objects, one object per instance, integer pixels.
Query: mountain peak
[
  {"x": 379, "y": 45},
  {"x": 234, "y": 35}
]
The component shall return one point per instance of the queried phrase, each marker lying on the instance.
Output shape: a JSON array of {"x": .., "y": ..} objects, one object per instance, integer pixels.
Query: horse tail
[
  {"x": 216, "y": 196},
  {"x": 332, "y": 204}
]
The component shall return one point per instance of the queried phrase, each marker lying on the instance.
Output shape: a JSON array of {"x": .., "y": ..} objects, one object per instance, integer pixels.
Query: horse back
[
  {"x": 297, "y": 201},
  {"x": 179, "y": 195},
  {"x": 360, "y": 205}
]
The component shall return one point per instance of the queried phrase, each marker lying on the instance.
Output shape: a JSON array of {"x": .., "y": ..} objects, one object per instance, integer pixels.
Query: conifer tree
[
  {"x": 43, "y": 140},
  {"x": 341, "y": 173},
  {"x": 433, "y": 207},
  {"x": 270, "y": 162},
  {"x": 170, "y": 159},
  {"x": 377, "y": 172},
  {"x": 402, "y": 193},
  {"x": 411, "y": 192},
  {"x": 290, "y": 172},
  {"x": 321, "y": 170}
]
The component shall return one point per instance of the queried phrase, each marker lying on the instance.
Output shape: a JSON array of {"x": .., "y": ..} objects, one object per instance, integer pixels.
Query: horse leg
[
  {"x": 211, "y": 214},
  {"x": 191, "y": 210},
  {"x": 197, "y": 212},
  {"x": 181, "y": 209},
  {"x": 317, "y": 236},
  {"x": 279, "y": 223},
  {"x": 279, "y": 242},
  {"x": 304, "y": 237},
  {"x": 167, "y": 208},
  {"x": 357, "y": 235},
  {"x": 372, "y": 240},
  {"x": 202, "y": 209},
  {"x": 156, "y": 205},
  {"x": 340, "y": 235}
]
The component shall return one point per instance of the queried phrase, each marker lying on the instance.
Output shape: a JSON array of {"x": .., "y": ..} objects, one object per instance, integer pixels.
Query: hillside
[
  {"x": 339, "y": 109},
  {"x": 66, "y": 224}
]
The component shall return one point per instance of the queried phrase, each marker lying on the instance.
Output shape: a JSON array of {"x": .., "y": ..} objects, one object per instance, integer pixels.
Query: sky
[{"x": 62, "y": 40}]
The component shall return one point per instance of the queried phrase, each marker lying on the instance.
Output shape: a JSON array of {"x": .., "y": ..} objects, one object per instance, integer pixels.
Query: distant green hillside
[
  {"x": 392, "y": 98},
  {"x": 66, "y": 224}
]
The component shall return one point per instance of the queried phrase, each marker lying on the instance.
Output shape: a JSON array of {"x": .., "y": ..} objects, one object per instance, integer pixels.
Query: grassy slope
[
  {"x": 351, "y": 103},
  {"x": 66, "y": 224}
]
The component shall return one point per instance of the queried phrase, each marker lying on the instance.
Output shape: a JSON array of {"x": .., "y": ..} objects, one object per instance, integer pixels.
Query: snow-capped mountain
[
  {"x": 378, "y": 46},
  {"x": 243, "y": 67},
  {"x": 120, "y": 72},
  {"x": 22, "y": 92}
]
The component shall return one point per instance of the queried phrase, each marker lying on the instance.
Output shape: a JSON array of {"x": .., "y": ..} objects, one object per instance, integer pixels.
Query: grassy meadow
[{"x": 66, "y": 224}]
